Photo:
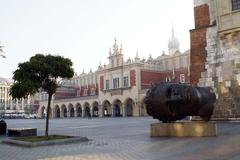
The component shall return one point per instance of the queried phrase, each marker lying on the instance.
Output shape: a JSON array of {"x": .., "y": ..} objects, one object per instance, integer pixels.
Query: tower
[
  {"x": 115, "y": 55},
  {"x": 173, "y": 44}
]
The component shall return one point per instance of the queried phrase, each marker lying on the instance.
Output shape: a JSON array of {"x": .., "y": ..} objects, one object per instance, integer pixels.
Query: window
[
  {"x": 90, "y": 80},
  {"x": 235, "y": 4},
  {"x": 78, "y": 92},
  {"x": 182, "y": 78},
  {"x": 115, "y": 83},
  {"x": 107, "y": 84},
  {"x": 93, "y": 91},
  {"x": 85, "y": 92},
  {"x": 125, "y": 81}
]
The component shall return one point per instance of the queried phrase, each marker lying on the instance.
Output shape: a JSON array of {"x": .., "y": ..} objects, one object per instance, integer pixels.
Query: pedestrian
[{"x": 89, "y": 115}]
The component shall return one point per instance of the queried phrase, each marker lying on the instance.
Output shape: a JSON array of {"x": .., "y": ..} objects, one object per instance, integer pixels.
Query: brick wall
[
  {"x": 198, "y": 54},
  {"x": 198, "y": 43},
  {"x": 148, "y": 78},
  {"x": 133, "y": 78},
  {"x": 101, "y": 83},
  {"x": 201, "y": 16},
  {"x": 61, "y": 95}
]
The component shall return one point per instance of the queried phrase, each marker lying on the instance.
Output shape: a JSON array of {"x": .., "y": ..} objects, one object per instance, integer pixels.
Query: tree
[
  {"x": 38, "y": 74},
  {"x": 1, "y": 51}
]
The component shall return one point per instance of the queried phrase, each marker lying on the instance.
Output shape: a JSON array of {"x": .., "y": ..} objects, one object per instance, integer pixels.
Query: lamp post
[{"x": 136, "y": 102}]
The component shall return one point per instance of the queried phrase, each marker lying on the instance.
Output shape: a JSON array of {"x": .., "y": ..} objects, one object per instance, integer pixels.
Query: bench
[{"x": 22, "y": 132}]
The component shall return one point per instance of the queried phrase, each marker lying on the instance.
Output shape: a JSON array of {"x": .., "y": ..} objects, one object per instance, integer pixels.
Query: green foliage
[{"x": 40, "y": 73}]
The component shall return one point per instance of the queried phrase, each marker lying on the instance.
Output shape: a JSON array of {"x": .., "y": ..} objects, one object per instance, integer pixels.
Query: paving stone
[{"x": 123, "y": 139}]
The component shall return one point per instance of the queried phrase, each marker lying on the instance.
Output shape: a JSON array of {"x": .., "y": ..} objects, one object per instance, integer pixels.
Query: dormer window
[{"x": 235, "y": 5}]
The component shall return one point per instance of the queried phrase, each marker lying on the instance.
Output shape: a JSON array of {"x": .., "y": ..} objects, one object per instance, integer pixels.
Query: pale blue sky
[{"x": 83, "y": 30}]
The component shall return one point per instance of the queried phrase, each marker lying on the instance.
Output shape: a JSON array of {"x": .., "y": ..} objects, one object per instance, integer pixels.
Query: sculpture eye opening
[
  {"x": 171, "y": 108},
  {"x": 169, "y": 92}
]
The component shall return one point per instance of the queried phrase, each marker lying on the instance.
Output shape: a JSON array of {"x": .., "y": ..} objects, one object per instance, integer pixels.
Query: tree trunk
[{"x": 47, "y": 118}]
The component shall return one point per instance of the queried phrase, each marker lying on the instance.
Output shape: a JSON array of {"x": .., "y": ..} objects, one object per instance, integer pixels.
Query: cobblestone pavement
[{"x": 123, "y": 139}]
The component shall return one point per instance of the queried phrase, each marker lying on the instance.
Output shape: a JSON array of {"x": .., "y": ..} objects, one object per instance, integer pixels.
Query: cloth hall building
[{"x": 118, "y": 88}]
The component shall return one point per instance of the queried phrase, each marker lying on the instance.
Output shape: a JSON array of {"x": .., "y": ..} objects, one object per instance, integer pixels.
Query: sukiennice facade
[{"x": 118, "y": 88}]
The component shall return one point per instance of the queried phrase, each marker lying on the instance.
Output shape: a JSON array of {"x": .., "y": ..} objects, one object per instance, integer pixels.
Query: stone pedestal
[
  {"x": 22, "y": 132},
  {"x": 184, "y": 129}
]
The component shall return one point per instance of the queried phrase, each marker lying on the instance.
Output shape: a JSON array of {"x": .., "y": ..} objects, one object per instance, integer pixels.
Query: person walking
[{"x": 89, "y": 115}]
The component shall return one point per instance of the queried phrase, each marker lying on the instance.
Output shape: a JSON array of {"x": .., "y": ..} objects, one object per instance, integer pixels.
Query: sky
[{"x": 84, "y": 30}]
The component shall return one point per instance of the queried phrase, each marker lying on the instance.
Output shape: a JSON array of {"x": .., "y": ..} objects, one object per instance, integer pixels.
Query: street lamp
[{"x": 136, "y": 102}]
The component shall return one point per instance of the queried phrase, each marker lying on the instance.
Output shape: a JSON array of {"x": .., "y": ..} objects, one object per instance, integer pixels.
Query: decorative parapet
[{"x": 75, "y": 99}]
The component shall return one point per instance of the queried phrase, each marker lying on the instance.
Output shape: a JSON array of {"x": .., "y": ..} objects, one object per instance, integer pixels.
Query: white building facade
[
  {"x": 116, "y": 89},
  {"x": 7, "y": 105}
]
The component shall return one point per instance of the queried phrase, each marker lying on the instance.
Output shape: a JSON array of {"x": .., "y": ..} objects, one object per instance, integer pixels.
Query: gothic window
[
  {"x": 125, "y": 81},
  {"x": 107, "y": 84},
  {"x": 115, "y": 83},
  {"x": 85, "y": 92},
  {"x": 93, "y": 91},
  {"x": 78, "y": 92},
  {"x": 235, "y": 4}
]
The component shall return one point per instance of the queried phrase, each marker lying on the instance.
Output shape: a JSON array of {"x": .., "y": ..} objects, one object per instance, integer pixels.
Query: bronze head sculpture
[{"x": 169, "y": 102}]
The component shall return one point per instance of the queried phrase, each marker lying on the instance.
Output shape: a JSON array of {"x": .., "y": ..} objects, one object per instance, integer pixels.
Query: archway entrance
[
  {"x": 87, "y": 110},
  {"x": 117, "y": 110},
  {"x": 57, "y": 112},
  {"x": 106, "y": 109},
  {"x": 72, "y": 112},
  {"x": 79, "y": 110},
  {"x": 95, "y": 112},
  {"x": 43, "y": 112},
  {"x": 129, "y": 107},
  {"x": 64, "y": 111}
]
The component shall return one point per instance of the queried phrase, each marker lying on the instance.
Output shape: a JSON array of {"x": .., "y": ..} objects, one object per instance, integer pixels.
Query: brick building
[
  {"x": 215, "y": 55},
  {"x": 118, "y": 88}
]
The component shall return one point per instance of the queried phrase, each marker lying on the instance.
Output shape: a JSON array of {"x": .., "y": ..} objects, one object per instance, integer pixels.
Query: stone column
[
  {"x": 91, "y": 111},
  {"x": 100, "y": 111},
  {"x": 75, "y": 111},
  {"x": 124, "y": 110},
  {"x": 113, "y": 111},
  {"x": 61, "y": 113},
  {"x": 83, "y": 112}
]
